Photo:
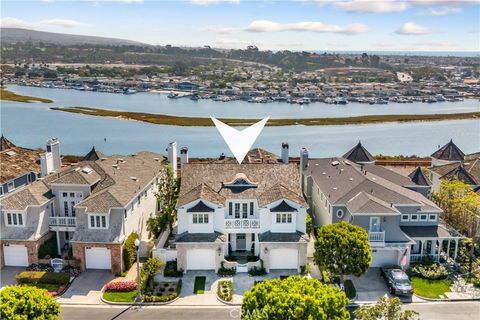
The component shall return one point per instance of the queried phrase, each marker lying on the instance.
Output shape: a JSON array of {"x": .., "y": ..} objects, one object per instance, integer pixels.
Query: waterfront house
[
  {"x": 91, "y": 208},
  {"x": 20, "y": 166},
  {"x": 230, "y": 209},
  {"x": 402, "y": 224},
  {"x": 450, "y": 162}
]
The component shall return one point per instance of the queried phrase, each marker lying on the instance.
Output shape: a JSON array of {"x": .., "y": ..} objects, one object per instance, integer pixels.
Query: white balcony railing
[
  {"x": 418, "y": 257},
  {"x": 376, "y": 236},
  {"x": 239, "y": 224},
  {"x": 63, "y": 221}
]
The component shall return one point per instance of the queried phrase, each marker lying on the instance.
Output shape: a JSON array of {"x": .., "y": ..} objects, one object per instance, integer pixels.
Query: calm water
[{"x": 32, "y": 124}]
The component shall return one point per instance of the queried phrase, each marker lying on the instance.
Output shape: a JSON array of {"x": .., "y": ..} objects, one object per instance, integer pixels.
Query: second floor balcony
[
  {"x": 242, "y": 224},
  {"x": 63, "y": 221},
  {"x": 376, "y": 238}
]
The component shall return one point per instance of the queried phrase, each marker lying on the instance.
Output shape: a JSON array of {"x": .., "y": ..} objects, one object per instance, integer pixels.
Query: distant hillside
[{"x": 13, "y": 35}]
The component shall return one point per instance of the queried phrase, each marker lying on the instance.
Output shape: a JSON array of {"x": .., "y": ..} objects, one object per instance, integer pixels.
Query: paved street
[{"x": 428, "y": 311}]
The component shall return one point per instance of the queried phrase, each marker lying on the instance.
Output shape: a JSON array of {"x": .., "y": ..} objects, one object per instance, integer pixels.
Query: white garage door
[
  {"x": 15, "y": 255},
  {"x": 382, "y": 258},
  {"x": 98, "y": 258},
  {"x": 201, "y": 259},
  {"x": 284, "y": 259}
]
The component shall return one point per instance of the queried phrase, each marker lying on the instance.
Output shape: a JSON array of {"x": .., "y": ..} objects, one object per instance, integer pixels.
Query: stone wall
[{"x": 78, "y": 250}]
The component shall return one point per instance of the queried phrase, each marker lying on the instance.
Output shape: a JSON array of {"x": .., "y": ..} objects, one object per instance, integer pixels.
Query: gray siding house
[{"x": 402, "y": 224}]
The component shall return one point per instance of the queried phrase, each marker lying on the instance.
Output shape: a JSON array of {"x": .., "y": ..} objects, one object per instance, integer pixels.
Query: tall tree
[
  {"x": 385, "y": 309},
  {"x": 294, "y": 298},
  {"x": 343, "y": 248},
  {"x": 27, "y": 303}
]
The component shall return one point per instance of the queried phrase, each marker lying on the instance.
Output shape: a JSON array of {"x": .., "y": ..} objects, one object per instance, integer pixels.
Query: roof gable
[
  {"x": 461, "y": 174},
  {"x": 283, "y": 207},
  {"x": 359, "y": 154},
  {"x": 450, "y": 152},
  {"x": 418, "y": 177},
  {"x": 200, "y": 207}
]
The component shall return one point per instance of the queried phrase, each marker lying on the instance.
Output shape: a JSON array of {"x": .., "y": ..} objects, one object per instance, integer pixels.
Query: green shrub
[
  {"x": 223, "y": 271},
  {"x": 309, "y": 224},
  {"x": 48, "y": 248},
  {"x": 252, "y": 258},
  {"x": 149, "y": 269},
  {"x": 325, "y": 277},
  {"x": 432, "y": 271},
  {"x": 60, "y": 278},
  {"x": 25, "y": 302},
  {"x": 129, "y": 251},
  {"x": 258, "y": 271},
  {"x": 171, "y": 269},
  {"x": 225, "y": 290},
  {"x": 151, "y": 298}
]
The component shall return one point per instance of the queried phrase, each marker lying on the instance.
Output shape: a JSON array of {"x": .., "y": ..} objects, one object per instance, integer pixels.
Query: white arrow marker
[{"x": 240, "y": 142}]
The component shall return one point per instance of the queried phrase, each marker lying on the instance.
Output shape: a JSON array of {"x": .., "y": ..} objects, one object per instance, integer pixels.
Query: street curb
[
  {"x": 227, "y": 303},
  {"x": 446, "y": 300}
]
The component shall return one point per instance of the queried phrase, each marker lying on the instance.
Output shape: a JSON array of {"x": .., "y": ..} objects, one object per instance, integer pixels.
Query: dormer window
[
  {"x": 240, "y": 181},
  {"x": 14, "y": 219}
]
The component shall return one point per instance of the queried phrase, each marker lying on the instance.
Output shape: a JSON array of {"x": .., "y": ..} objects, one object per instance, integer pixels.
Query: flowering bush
[
  {"x": 121, "y": 285},
  {"x": 432, "y": 272}
]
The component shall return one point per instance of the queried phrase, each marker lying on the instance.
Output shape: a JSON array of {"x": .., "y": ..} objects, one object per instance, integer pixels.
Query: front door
[
  {"x": 375, "y": 224},
  {"x": 241, "y": 242}
]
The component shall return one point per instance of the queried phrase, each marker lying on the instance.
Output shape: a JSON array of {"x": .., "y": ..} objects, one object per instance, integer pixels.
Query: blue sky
[{"x": 374, "y": 25}]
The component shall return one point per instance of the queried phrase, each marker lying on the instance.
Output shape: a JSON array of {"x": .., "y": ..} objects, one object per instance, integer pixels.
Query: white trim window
[
  {"x": 284, "y": 218},
  {"x": 97, "y": 221},
  {"x": 10, "y": 186},
  {"x": 14, "y": 219},
  {"x": 200, "y": 218},
  {"x": 405, "y": 217},
  {"x": 414, "y": 217},
  {"x": 423, "y": 217},
  {"x": 432, "y": 217}
]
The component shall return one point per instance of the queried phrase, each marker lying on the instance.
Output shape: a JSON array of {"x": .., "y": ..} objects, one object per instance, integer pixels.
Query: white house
[{"x": 228, "y": 209}]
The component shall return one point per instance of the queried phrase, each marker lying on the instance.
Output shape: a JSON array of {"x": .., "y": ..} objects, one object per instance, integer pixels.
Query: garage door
[
  {"x": 201, "y": 259},
  {"x": 382, "y": 258},
  {"x": 15, "y": 255},
  {"x": 284, "y": 259},
  {"x": 98, "y": 258}
]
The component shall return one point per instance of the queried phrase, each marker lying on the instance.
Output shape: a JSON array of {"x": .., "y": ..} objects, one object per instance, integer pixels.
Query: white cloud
[
  {"x": 373, "y": 6},
  {"x": 270, "y": 26},
  {"x": 442, "y": 2},
  {"x": 66, "y": 23},
  {"x": 9, "y": 22},
  {"x": 220, "y": 29},
  {"x": 413, "y": 29},
  {"x": 208, "y": 2},
  {"x": 441, "y": 11}
]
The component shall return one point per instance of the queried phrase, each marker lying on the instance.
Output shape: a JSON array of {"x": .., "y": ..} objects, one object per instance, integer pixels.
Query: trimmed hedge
[
  {"x": 149, "y": 269},
  {"x": 129, "y": 251},
  {"x": 121, "y": 285},
  {"x": 171, "y": 269},
  {"x": 60, "y": 278}
]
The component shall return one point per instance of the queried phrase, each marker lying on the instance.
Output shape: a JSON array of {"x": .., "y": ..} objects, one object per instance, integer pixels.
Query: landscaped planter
[{"x": 225, "y": 291}]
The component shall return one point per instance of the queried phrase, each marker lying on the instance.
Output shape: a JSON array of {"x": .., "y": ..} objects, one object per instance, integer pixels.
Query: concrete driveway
[
  {"x": 86, "y": 289},
  {"x": 7, "y": 275},
  {"x": 372, "y": 286}
]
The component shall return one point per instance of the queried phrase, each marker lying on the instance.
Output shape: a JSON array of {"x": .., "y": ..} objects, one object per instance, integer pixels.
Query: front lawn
[
  {"x": 430, "y": 288},
  {"x": 125, "y": 296},
  {"x": 199, "y": 286}
]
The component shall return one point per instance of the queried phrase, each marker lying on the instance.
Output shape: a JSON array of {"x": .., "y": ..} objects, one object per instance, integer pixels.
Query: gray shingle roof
[
  {"x": 450, "y": 152},
  {"x": 274, "y": 182},
  {"x": 282, "y": 237},
  {"x": 35, "y": 194},
  {"x": 442, "y": 230},
  {"x": 365, "y": 203},
  {"x": 359, "y": 154},
  {"x": 419, "y": 178},
  {"x": 201, "y": 237},
  {"x": 343, "y": 181}
]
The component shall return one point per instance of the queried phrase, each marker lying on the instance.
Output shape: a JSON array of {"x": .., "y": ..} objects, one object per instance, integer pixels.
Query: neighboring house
[
  {"x": 450, "y": 162},
  {"x": 91, "y": 207},
  {"x": 19, "y": 166},
  {"x": 403, "y": 225},
  {"x": 228, "y": 209}
]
